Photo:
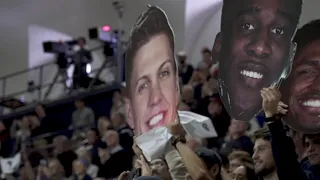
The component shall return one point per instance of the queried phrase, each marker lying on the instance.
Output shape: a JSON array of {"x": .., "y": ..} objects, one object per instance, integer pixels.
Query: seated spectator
[
  {"x": 187, "y": 96},
  {"x": 64, "y": 154},
  {"x": 244, "y": 172},
  {"x": 112, "y": 156},
  {"x": 212, "y": 161},
  {"x": 79, "y": 167},
  {"x": 55, "y": 170},
  {"x": 103, "y": 124},
  {"x": 93, "y": 141},
  {"x": 83, "y": 116},
  {"x": 117, "y": 104},
  {"x": 92, "y": 169},
  {"x": 125, "y": 132},
  {"x": 185, "y": 69}
]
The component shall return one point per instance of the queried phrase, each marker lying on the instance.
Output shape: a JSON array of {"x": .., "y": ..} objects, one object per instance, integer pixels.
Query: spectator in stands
[
  {"x": 63, "y": 152},
  {"x": 206, "y": 58},
  {"x": 125, "y": 132},
  {"x": 56, "y": 171},
  {"x": 238, "y": 158},
  {"x": 160, "y": 168},
  {"x": 212, "y": 161},
  {"x": 114, "y": 157},
  {"x": 187, "y": 97},
  {"x": 93, "y": 138},
  {"x": 79, "y": 167},
  {"x": 244, "y": 172},
  {"x": 92, "y": 169},
  {"x": 185, "y": 69},
  {"x": 264, "y": 164},
  {"x": 312, "y": 145},
  {"x": 117, "y": 104},
  {"x": 104, "y": 124},
  {"x": 20, "y": 131},
  {"x": 83, "y": 116}
]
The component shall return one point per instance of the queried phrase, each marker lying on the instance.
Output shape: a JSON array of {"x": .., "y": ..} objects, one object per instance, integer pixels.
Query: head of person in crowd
[
  {"x": 182, "y": 58},
  {"x": 159, "y": 167},
  {"x": 118, "y": 119},
  {"x": 264, "y": 163},
  {"x": 187, "y": 93},
  {"x": 55, "y": 169},
  {"x": 301, "y": 91},
  {"x": 151, "y": 72},
  {"x": 212, "y": 160},
  {"x": 93, "y": 136},
  {"x": 117, "y": 98},
  {"x": 59, "y": 143},
  {"x": 254, "y": 49},
  {"x": 207, "y": 57},
  {"x": 104, "y": 124},
  {"x": 215, "y": 106},
  {"x": 40, "y": 110},
  {"x": 81, "y": 42},
  {"x": 312, "y": 147},
  {"x": 238, "y": 158},
  {"x": 80, "y": 104},
  {"x": 80, "y": 166},
  {"x": 244, "y": 172},
  {"x": 25, "y": 123},
  {"x": 237, "y": 128},
  {"x": 111, "y": 138}
]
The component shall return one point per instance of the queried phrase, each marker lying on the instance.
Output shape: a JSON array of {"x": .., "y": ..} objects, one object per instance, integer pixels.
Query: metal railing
[{"x": 40, "y": 85}]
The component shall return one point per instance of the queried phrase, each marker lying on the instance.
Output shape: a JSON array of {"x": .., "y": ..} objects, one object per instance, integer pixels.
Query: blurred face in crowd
[
  {"x": 154, "y": 93},
  {"x": 160, "y": 168},
  {"x": 240, "y": 173},
  {"x": 303, "y": 88},
  {"x": 78, "y": 168},
  {"x": 237, "y": 127},
  {"x": 214, "y": 108},
  {"x": 117, "y": 120},
  {"x": 91, "y": 137},
  {"x": 103, "y": 124},
  {"x": 54, "y": 167},
  {"x": 79, "y": 104},
  {"x": 233, "y": 164},
  {"x": 207, "y": 58},
  {"x": 313, "y": 150},
  {"x": 254, "y": 48},
  {"x": 25, "y": 122},
  {"x": 262, "y": 157},
  {"x": 117, "y": 98},
  {"x": 187, "y": 93},
  {"x": 111, "y": 138},
  {"x": 40, "y": 110}
]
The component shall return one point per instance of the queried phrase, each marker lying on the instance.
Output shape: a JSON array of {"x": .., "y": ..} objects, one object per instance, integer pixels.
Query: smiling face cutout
[
  {"x": 301, "y": 91},
  {"x": 254, "y": 50},
  {"x": 151, "y": 73}
]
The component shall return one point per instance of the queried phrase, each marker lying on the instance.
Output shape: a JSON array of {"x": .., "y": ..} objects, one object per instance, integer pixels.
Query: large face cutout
[
  {"x": 255, "y": 50},
  {"x": 301, "y": 91},
  {"x": 153, "y": 89}
]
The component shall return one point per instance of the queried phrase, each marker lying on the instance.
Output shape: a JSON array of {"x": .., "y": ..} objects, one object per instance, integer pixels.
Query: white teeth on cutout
[
  {"x": 156, "y": 119},
  {"x": 251, "y": 74},
  {"x": 312, "y": 103}
]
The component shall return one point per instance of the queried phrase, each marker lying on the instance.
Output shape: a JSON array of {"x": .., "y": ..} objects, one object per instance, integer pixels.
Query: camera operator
[{"x": 81, "y": 58}]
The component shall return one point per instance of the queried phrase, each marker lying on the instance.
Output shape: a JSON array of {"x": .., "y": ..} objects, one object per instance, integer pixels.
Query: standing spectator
[{"x": 185, "y": 69}]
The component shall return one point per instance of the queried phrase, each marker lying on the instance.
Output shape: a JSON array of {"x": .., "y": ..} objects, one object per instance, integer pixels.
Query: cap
[{"x": 209, "y": 157}]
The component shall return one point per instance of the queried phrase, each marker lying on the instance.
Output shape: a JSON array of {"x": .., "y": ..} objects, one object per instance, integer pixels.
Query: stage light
[{"x": 106, "y": 28}]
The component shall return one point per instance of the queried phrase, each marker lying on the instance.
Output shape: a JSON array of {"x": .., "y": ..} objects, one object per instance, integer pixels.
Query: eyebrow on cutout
[
  {"x": 290, "y": 17},
  {"x": 310, "y": 62},
  {"x": 249, "y": 10},
  {"x": 160, "y": 67}
]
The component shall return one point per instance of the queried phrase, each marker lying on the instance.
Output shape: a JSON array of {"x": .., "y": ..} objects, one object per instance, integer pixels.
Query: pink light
[{"x": 106, "y": 28}]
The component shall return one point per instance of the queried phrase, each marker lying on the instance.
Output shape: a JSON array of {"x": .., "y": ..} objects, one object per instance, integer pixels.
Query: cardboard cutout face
[
  {"x": 301, "y": 91},
  {"x": 254, "y": 49},
  {"x": 151, "y": 72}
]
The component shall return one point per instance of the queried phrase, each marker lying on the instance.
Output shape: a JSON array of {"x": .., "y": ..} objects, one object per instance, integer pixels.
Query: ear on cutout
[
  {"x": 129, "y": 112},
  {"x": 216, "y": 48}
]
